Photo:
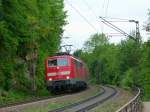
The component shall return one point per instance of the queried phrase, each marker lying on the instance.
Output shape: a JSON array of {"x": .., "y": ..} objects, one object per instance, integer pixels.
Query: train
[{"x": 64, "y": 72}]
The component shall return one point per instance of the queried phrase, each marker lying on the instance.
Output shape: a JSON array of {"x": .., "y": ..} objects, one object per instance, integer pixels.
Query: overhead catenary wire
[
  {"x": 115, "y": 18},
  {"x": 84, "y": 18},
  {"x": 113, "y": 27},
  {"x": 89, "y": 7},
  {"x": 91, "y": 10},
  {"x": 116, "y": 28},
  {"x": 120, "y": 21}
]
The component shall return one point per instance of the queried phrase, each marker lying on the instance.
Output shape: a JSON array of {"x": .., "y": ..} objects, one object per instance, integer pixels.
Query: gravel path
[{"x": 146, "y": 106}]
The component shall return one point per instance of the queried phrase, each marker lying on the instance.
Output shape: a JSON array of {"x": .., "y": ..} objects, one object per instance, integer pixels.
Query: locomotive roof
[
  {"x": 61, "y": 56},
  {"x": 62, "y": 53}
]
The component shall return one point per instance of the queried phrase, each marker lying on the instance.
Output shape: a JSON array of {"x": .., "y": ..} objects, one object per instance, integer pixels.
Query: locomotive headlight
[
  {"x": 51, "y": 74},
  {"x": 50, "y": 79},
  {"x": 68, "y": 77},
  {"x": 65, "y": 73}
]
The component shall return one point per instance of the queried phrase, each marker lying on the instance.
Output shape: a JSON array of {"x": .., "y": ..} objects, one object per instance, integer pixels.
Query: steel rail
[
  {"x": 99, "y": 102},
  {"x": 133, "y": 105},
  {"x": 89, "y": 99},
  {"x": 72, "y": 105}
]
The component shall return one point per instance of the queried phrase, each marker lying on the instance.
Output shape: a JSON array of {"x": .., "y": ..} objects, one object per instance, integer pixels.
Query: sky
[{"x": 83, "y": 19}]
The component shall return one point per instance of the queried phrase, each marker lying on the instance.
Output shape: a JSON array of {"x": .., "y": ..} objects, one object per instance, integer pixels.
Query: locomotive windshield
[{"x": 58, "y": 62}]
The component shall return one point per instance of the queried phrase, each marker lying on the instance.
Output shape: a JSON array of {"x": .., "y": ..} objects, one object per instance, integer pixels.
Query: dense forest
[
  {"x": 122, "y": 64},
  {"x": 126, "y": 64},
  {"x": 30, "y": 30}
]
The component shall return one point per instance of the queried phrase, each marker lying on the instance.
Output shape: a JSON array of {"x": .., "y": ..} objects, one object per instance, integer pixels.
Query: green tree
[
  {"x": 143, "y": 75},
  {"x": 30, "y": 30},
  {"x": 127, "y": 81},
  {"x": 102, "y": 58}
]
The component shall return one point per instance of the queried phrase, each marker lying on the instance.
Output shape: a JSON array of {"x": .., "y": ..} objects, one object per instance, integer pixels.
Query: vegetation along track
[
  {"x": 48, "y": 103},
  {"x": 32, "y": 100},
  {"x": 108, "y": 92}
]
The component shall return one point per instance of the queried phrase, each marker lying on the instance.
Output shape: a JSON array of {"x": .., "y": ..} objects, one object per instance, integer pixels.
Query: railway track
[
  {"x": 83, "y": 106},
  {"x": 39, "y": 102},
  {"x": 102, "y": 96}
]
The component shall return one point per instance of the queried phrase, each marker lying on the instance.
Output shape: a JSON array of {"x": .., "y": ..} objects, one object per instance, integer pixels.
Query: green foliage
[
  {"x": 144, "y": 73},
  {"x": 129, "y": 54},
  {"x": 101, "y": 64},
  {"x": 128, "y": 79},
  {"x": 28, "y": 28},
  {"x": 12, "y": 96},
  {"x": 126, "y": 64},
  {"x": 94, "y": 41},
  {"x": 102, "y": 59},
  {"x": 146, "y": 92},
  {"x": 77, "y": 53}
]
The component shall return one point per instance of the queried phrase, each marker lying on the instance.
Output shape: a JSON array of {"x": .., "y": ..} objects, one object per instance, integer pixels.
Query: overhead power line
[
  {"x": 89, "y": 7},
  {"x": 84, "y": 18},
  {"x": 116, "y": 28},
  {"x": 115, "y": 18},
  {"x": 119, "y": 21}
]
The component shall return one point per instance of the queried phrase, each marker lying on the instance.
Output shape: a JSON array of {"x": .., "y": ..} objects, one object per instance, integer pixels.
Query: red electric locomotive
[{"x": 64, "y": 72}]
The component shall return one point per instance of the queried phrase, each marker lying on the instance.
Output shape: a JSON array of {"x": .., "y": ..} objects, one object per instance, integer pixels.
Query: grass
[
  {"x": 43, "y": 108},
  {"x": 61, "y": 102},
  {"x": 13, "y": 96}
]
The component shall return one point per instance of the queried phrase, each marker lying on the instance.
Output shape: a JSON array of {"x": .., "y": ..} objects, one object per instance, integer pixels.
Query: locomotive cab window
[
  {"x": 57, "y": 62},
  {"x": 52, "y": 63},
  {"x": 62, "y": 62}
]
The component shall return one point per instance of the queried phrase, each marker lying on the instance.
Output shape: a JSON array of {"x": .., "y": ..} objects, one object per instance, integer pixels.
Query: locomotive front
[{"x": 64, "y": 73}]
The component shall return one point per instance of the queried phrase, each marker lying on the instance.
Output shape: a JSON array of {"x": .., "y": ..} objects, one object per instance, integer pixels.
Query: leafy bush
[{"x": 127, "y": 81}]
